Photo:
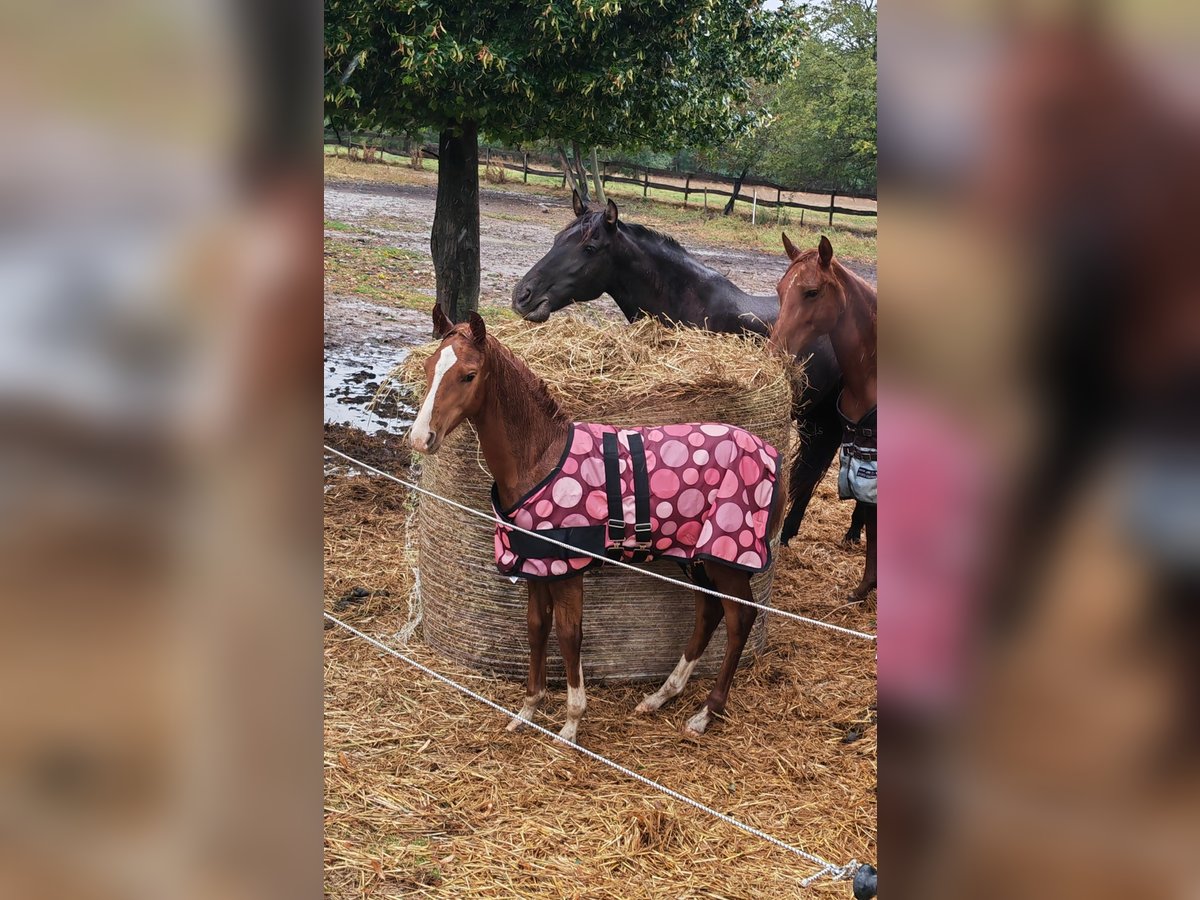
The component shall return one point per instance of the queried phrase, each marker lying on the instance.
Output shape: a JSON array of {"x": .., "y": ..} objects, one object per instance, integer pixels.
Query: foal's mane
[{"x": 525, "y": 389}]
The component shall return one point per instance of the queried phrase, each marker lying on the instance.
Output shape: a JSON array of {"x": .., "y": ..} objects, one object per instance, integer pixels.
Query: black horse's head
[{"x": 578, "y": 267}]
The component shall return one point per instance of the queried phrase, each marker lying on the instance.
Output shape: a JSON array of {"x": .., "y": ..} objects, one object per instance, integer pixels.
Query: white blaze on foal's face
[{"x": 422, "y": 437}]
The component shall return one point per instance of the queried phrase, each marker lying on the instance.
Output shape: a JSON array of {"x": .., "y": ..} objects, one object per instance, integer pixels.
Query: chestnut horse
[
  {"x": 649, "y": 274},
  {"x": 523, "y": 434},
  {"x": 817, "y": 296}
]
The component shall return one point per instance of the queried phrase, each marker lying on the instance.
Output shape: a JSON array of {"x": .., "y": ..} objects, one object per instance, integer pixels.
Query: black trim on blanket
[{"x": 505, "y": 513}]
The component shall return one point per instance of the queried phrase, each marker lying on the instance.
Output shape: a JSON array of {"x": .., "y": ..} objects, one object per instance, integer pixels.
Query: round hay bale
[{"x": 635, "y": 627}]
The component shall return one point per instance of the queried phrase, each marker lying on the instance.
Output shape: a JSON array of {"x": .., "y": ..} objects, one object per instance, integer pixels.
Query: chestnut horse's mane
[{"x": 528, "y": 399}]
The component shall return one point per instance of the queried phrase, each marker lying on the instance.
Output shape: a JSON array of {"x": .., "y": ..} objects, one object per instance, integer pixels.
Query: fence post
[
  {"x": 832, "y": 197},
  {"x": 564, "y": 184},
  {"x": 778, "y": 207},
  {"x": 487, "y": 158},
  {"x": 525, "y": 176},
  {"x": 754, "y": 209},
  {"x": 687, "y": 187},
  {"x": 706, "y": 198},
  {"x": 604, "y": 173},
  {"x": 801, "y": 218},
  {"x": 645, "y": 182}
]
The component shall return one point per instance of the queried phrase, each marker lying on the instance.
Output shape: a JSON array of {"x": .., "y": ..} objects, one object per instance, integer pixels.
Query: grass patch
[
  {"x": 335, "y": 225},
  {"x": 389, "y": 275}
]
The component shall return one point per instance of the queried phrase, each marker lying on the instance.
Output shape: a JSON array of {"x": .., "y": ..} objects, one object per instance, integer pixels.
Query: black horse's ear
[
  {"x": 791, "y": 249},
  {"x": 577, "y": 203},
  {"x": 441, "y": 325},
  {"x": 478, "y": 329},
  {"x": 825, "y": 252},
  {"x": 610, "y": 213}
]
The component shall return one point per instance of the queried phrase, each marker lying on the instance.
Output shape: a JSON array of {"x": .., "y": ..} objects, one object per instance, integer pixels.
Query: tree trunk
[
  {"x": 596, "y": 179},
  {"x": 581, "y": 172},
  {"x": 737, "y": 189},
  {"x": 570, "y": 175},
  {"x": 455, "y": 238}
]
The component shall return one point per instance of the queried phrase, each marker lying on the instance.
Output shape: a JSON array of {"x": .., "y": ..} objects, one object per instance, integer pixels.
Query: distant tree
[
  {"x": 824, "y": 130},
  {"x": 615, "y": 73}
]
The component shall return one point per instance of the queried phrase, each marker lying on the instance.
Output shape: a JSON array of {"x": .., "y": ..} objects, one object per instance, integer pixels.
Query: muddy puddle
[{"x": 352, "y": 378}]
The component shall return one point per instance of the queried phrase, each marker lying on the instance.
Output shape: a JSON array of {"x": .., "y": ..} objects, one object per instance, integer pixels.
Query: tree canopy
[{"x": 654, "y": 73}]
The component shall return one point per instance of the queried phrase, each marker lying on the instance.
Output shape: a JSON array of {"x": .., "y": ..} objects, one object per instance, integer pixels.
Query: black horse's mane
[{"x": 595, "y": 219}]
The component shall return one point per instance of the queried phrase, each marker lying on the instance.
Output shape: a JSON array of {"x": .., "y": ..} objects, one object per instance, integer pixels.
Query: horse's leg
[
  {"x": 539, "y": 617},
  {"x": 708, "y": 617},
  {"x": 817, "y": 449},
  {"x": 738, "y": 621},
  {"x": 567, "y": 597},
  {"x": 858, "y": 519},
  {"x": 869, "y": 580}
]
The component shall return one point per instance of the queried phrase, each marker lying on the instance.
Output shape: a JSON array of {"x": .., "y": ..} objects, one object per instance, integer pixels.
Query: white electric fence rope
[
  {"x": 835, "y": 872},
  {"x": 612, "y": 562}
]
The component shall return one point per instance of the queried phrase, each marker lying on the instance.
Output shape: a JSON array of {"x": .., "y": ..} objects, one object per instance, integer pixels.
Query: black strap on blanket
[
  {"x": 641, "y": 497},
  {"x": 641, "y": 494},
  {"x": 612, "y": 487}
]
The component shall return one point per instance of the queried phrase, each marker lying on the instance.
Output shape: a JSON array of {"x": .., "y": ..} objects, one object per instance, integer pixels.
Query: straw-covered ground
[{"x": 428, "y": 795}]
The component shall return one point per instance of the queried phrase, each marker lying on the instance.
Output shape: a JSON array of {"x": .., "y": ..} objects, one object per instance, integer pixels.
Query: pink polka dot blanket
[{"x": 687, "y": 492}]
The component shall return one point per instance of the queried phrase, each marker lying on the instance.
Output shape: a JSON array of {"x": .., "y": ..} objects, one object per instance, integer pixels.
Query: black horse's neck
[{"x": 654, "y": 276}]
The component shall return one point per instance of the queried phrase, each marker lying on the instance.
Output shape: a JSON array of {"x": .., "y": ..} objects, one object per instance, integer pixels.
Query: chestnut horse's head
[
  {"x": 456, "y": 380},
  {"x": 578, "y": 267},
  {"x": 811, "y": 298}
]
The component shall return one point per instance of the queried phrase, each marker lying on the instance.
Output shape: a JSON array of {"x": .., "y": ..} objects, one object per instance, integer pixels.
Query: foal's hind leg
[
  {"x": 738, "y": 621},
  {"x": 708, "y": 616},
  {"x": 539, "y": 618},
  {"x": 567, "y": 597}
]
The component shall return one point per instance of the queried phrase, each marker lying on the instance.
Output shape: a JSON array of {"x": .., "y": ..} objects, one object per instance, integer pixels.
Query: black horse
[{"x": 650, "y": 274}]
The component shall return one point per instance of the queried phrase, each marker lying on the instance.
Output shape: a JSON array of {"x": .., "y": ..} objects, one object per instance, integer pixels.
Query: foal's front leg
[
  {"x": 567, "y": 597},
  {"x": 539, "y": 618}
]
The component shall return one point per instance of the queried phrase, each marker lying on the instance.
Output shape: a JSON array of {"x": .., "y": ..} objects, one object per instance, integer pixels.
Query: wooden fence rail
[{"x": 519, "y": 162}]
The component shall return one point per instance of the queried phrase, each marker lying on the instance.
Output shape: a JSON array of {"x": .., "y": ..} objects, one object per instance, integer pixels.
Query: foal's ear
[
  {"x": 441, "y": 325},
  {"x": 825, "y": 252},
  {"x": 791, "y": 249},
  {"x": 577, "y": 203},
  {"x": 610, "y": 213},
  {"x": 478, "y": 329}
]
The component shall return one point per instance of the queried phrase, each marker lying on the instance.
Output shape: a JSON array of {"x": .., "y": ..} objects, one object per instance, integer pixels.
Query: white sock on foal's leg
[
  {"x": 527, "y": 711},
  {"x": 672, "y": 687},
  {"x": 576, "y": 704},
  {"x": 696, "y": 724}
]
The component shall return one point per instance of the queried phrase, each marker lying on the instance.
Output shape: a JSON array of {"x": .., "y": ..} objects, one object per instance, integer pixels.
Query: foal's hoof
[
  {"x": 516, "y": 724},
  {"x": 647, "y": 706},
  {"x": 568, "y": 732},
  {"x": 693, "y": 729},
  {"x": 851, "y": 539}
]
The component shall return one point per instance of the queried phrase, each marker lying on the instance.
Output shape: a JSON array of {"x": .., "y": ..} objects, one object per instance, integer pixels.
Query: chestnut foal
[
  {"x": 523, "y": 434},
  {"x": 818, "y": 295}
]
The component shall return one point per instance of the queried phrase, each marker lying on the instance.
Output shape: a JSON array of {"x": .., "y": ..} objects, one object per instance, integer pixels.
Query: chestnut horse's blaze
[{"x": 634, "y": 500}]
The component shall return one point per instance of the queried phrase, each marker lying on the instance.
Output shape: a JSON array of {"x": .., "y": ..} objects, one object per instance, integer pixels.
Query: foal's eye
[
  {"x": 812, "y": 293},
  {"x": 470, "y": 376},
  {"x": 589, "y": 248}
]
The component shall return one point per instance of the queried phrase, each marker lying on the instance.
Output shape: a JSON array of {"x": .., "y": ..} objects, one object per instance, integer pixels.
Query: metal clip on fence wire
[
  {"x": 827, "y": 868},
  {"x": 608, "y": 560}
]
